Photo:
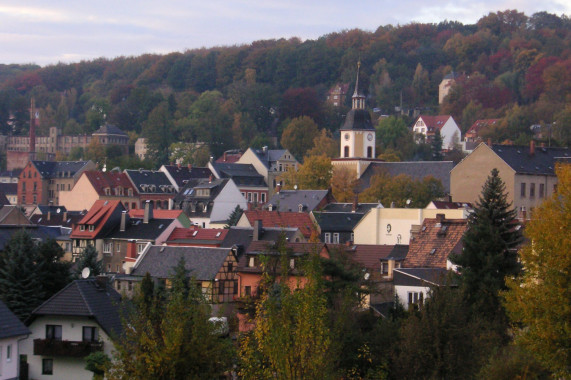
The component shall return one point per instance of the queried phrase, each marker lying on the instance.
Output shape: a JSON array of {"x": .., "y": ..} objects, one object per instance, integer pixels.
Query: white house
[
  {"x": 12, "y": 331},
  {"x": 75, "y": 322},
  {"x": 428, "y": 125},
  {"x": 412, "y": 285}
]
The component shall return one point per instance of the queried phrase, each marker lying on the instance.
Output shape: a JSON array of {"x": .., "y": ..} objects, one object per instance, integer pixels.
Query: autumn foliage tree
[
  {"x": 298, "y": 137},
  {"x": 538, "y": 301},
  {"x": 343, "y": 184}
]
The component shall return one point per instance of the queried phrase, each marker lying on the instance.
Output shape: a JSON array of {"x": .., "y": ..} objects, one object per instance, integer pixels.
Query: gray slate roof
[
  {"x": 337, "y": 221},
  {"x": 10, "y": 325},
  {"x": 357, "y": 119},
  {"x": 289, "y": 200},
  {"x": 188, "y": 196},
  {"x": 182, "y": 174},
  {"x": 86, "y": 298},
  {"x": 202, "y": 263},
  {"x": 242, "y": 236},
  {"x": 417, "y": 170},
  {"x": 348, "y": 207},
  {"x": 541, "y": 163},
  {"x": 269, "y": 156},
  {"x": 54, "y": 169},
  {"x": 42, "y": 233},
  {"x": 398, "y": 252},
  {"x": 136, "y": 229},
  {"x": 241, "y": 174},
  {"x": 149, "y": 177},
  {"x": 109, "y": 129},
  {"x": 418, "y": 276}
]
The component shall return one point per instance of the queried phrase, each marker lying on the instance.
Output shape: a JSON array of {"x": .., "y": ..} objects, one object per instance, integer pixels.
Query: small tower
[
  {"x": 34, "y": 117},
  {"x": 357, "y": 132}
]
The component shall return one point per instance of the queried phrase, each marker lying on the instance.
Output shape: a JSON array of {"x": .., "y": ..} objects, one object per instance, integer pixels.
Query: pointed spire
[{"x": 358, "y": 97}]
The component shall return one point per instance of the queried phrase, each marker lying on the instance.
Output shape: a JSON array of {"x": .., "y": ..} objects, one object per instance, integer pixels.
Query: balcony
[{"x": 53, "y": 347}]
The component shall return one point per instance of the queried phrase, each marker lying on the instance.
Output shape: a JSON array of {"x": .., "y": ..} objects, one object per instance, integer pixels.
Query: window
[
  {"x": 291, "y": 263},
  {"x": 532, "y": 190},
  {"x": 47, "y": 366},
  {"x": 35, "y": 186},
  {"x": 327, "y": 237},
  {"x": 255, "y": 197},
  {"x": 220, "y": 287},
  {"x": 230, "y": 267},
  {"x": 82, "y": 227},
  {"x": 248, "y": 290},
  {"x": 249, "y": 197},
  {"x": 23, "y": 186},
  {"x": 107, "y": 247},
  {"x": 252, "y": 262},
  {"x": 141, "y": 248},
  {"x": 263, "y": 197},
  {"x": 522, "y": 193},
  {"x": 118, "y": 285},
  {"x": 118, "y": 247},
  {"x": 53, "y": 332},
  {"x": 346, "y": 151},
  {"x": 8, "y": 353},
  {"x": 352, "y": 236},
  {"x": 384, "y": 267},
  {"x": 130, "y": 285},
  {"x": 415, "y": 298},
  {"x": 336, "y": 238},
  {"x": 541, "y": 190},
  {"x": 90, "y": 334},
  {"x": 369, "y": 152},
  {"x": 235, "y": 287},
  {"x": 91, "y": 227}
]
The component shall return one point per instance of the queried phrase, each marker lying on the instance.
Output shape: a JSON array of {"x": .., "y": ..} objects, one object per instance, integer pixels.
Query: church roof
[{"x": 358, "y": 119}]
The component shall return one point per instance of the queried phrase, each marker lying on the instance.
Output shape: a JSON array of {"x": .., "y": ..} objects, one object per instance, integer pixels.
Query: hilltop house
[{"x": 425, "y": 127}]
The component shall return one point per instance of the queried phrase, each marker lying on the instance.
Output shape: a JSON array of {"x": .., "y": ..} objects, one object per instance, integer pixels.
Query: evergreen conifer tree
[
  {"x": 489, "y": 253},
  {"x": 436, "y": 146},
  {"x": 54, "y": 274},
  {"x": 88, "y": 259},
  {"x": 234, "y": 217},
  {"x": 20, "y": 287}
]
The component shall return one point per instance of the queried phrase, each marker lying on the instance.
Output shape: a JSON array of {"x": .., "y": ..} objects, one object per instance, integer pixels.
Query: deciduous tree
[
  {"x": 538, "y": 302},
  {"x": 299, "y": 135}
]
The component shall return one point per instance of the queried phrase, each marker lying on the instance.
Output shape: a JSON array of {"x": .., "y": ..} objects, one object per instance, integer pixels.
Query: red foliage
[
  {"x": 534, "y": 83},
  {"x": 26, "y": 81}
]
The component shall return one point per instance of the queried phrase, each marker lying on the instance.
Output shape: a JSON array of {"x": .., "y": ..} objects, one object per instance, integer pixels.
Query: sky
[{"x": 47, "y": 32}]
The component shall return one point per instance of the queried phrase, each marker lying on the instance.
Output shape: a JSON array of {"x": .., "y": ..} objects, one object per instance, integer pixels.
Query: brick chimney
[
  {"x": 531, "y": 148},
  {"x": 489, "y": 141},
  {"x": 189, "y": 166},
  {"x": 440, "y": 218},
  {"x": 148, "y": 214},
  {"x": 278, "y": 188},
  {"x": 224, "y": 156},
  {"x": 355, "y": 203},
  {"x": 49, "y": 215},
  {"x": 210, "y": 178}
]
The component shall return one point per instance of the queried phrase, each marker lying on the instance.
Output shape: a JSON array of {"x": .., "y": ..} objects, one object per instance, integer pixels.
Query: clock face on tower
[
  {"x": 370, "y": 137},
  {"x": 346, "y": 136}
]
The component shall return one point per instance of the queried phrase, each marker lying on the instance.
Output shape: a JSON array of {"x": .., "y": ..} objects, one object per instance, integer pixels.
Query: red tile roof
[
  {"x": 102, "y": 180},
  {"x": 436, "y": 240},
  {"x": 97, "y": 216},
  {"x": 196, "y": 234},
  {"x": 157, "y": 214},
  {"x": 300, "y": 220},
  {"x": 368, "y": 255},
  {"x": 434, "y": 123}
]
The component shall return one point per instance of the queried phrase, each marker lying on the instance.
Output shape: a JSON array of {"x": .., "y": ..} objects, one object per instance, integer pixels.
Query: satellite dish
[
  {"x": 104, "y": 168},
  {"x": 295, "y": 187},
  {"x": 367, "y": 275},
  {"x": 85, "y": 272},
  {"x": 408, "y": 201}
]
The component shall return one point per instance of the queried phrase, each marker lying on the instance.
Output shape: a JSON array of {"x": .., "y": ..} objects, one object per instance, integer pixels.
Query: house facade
[
  {"x": 425, "y": 127},
  {"x": 12, "y": 331}
]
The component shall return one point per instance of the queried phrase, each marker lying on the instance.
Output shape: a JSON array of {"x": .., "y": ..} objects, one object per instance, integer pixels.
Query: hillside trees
[{"x": 298, "y": 136}]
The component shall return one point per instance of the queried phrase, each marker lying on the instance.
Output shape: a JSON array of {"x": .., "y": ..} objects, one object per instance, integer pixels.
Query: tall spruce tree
[
  {"x": 489, "y": 253},
  {"x": 20, "y": 287}
]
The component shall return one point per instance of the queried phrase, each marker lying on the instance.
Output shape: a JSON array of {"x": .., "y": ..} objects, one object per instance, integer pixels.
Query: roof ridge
[{"x": 84, "y": 297}]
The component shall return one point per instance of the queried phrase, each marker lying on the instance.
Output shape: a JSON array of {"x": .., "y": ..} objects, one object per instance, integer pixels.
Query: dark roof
[
  {"x": 58, "y": 219},
  {"x": 9, "y": 188},
  {"x": 202, "y": 263},
  {"x": 452, "y": 205},
  {"x": 10, "y": 325},
  {"x": 337, "y": 221},
  {"x": 451, "y": 75},
  {"x": 280, "y": 219},
  {"x": 41, "y": 233},
  {"x": 289, "y": 200},
  {"x": 54, "y": 169},
  {"x": 109, "y": 180},
  {"x": 15, "y": 173},
  {"x": 542, "y": 162},
  {"x": 109, "y": 129},
  {"x": 150, "y": 181},
  {"x": 434, "y": 276},
  {"x": 3, "y": 200},
  {"x": 187, "y": 198},
  {"x": 86, "y": 298},
  {"x": 44, "y": 209},
  {"x": 242, "y": 236},
  {"x": 357, "y": 119},
  {"x": 398, "y": 253},
  {"x": 182, "y": 174},
  {"x": 268, "y": 157},
  {"x": 369, "y": 255},
  {"x": 241, "y": 174},
  {"x": 417, "y": 170},
  {"x": 348, "y": 207},
  {"x": 136, "y": 229}
]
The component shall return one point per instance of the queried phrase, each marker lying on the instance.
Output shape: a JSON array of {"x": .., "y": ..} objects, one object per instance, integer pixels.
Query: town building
[
  {"x": 153, "y": 186},
  {"x": 425, "y": 128},
  {"x": 251, "y": 184},
  {"x": 299, "y": 200},
  {"x": 337, "y": 94},
  {"x": 12, "y": 331},
  {"x": 445, "y": 86}
]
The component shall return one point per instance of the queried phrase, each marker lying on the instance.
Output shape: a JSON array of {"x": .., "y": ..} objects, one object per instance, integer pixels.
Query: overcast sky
[{"x": 48, "y": 32}]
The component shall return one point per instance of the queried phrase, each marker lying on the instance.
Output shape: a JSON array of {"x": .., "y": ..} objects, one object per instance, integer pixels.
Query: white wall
[
  {"x": 447, "y": 133},
  {"x": 64, "y": 368},
  {"x": 9, "y": 367},
  {"x": 226, "y": 202},
  {"x": 402, "y": 293}
]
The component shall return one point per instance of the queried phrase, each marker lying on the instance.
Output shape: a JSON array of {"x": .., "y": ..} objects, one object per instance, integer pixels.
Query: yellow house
[
  {"x": 394, "y": 225},
  {"x": 528, "y": 173}
]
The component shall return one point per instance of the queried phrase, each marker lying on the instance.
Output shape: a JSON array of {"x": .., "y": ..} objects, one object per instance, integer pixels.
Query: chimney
[
  {"x": 64, "y": 217},
  {"x": 440, "y": 218},
  {"x": 49, "y": 215},
  {"x": 393, "y": 205},
  {"x": 489, "y": 141},
  {"x": 355, "y": 203},
  {"x": 210, "y": 178},
  {"x": 178, "y": 164},
  {"x": 123, "y": 221},
  {"x": 278, "y": 188},
  {"x": 148, "y": 215},
  {"x": 101, "y": 282},
  {"x": 257, "y": 230},
  {"x": 224, "y": 156},
  {"x": 189, "y": 166},
  {"x": 523, "y": 213},
  {"x": 531, "y": 148},
  {"x": 211, "y": 158}
]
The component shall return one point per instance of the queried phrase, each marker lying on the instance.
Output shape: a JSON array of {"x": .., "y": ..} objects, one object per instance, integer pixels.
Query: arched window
[
  {"x": 369, "y": 152},
  {"x": 346, "y": 151}
]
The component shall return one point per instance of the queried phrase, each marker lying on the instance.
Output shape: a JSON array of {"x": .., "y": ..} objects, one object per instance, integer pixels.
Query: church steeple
[{"x": 358, "y": 97}]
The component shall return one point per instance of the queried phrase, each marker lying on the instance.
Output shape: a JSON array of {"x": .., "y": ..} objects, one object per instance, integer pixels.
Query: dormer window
[
  {"x": 252, "y": 262},
  {"x": 91, "y": 227},
  {"x": 130, "y": 192},
  {"x": 107, "y": 191},
  {"x": 300, "y": 208},
  {"x": 82, "y": 227}
]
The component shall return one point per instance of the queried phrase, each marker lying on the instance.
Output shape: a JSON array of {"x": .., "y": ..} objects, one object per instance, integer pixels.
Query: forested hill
[{"x": 511, "y": 65}]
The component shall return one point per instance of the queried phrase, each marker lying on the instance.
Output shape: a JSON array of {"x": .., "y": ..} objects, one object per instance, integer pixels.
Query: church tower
[{"x": 357, "y": 132}]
